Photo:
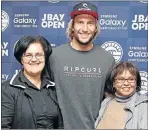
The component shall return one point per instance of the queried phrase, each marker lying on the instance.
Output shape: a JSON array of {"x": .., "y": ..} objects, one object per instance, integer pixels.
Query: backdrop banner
[{"x": 124, "y": 27}]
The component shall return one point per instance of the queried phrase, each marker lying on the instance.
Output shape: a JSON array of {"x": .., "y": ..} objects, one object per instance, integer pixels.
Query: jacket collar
[
  {"x": 19, "y": 80},
  {"x": 16, "y": 82},
  {"x": 141, "y": 98},
  {"x": 136, "y": 99}
]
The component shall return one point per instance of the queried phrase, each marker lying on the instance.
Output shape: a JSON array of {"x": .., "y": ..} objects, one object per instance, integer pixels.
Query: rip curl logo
[
  {"x": 114, "y": 48},
  {"x": 5, "y": 20},
  {"x": 144, "y": 82},
  {"x": 85, "y": 7},
  {"x": 82, "y": 71}
]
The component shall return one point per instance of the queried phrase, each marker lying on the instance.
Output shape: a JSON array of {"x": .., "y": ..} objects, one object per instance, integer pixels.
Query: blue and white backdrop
[{"x": 124, "y": 27}]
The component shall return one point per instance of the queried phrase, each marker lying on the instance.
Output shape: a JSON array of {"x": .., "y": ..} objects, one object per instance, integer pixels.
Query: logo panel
[
  {"x": 136, "y": 52},
  {"x": 53, "y": 21},
  {"x": 144, "y": 82},
  {"x": 138, "y": 22},
  {"x": 114, "y": 48},
  {"x": 4, "y": 20}
]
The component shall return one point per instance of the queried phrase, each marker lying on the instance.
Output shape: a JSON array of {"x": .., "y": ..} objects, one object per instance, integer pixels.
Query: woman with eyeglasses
[
  {"x": 29, "y": 98},
  {"x": 125, "y": 108}
]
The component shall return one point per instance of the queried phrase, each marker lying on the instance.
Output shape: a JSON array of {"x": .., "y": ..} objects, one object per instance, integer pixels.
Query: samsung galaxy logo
[
  {"x": 112, "y": 22},
  {"x": 138, "y": 54},
  {"x": 24, "y": 20}
]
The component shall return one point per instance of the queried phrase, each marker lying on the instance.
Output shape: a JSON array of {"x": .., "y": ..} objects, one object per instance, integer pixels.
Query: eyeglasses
[
  {"x": 122, "y": 80},
  {"x": 29, "y": 56}
]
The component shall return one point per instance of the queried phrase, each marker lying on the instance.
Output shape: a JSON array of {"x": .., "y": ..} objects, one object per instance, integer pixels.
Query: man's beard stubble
[{"x": 84, "y": 43}]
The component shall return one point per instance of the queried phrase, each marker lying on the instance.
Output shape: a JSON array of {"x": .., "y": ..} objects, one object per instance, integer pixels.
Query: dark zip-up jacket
[{"x": 15, "y": 116}]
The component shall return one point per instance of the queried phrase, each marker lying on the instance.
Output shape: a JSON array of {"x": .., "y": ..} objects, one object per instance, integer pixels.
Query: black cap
[{"x": 84, "y": 8}]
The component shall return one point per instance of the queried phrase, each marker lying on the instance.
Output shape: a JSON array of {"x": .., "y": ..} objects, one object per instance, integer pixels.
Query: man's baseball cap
[{"x": 84, "y": 8}]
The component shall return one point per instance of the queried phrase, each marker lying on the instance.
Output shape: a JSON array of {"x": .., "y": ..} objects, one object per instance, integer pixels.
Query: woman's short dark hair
[
  {"x": 118, "y": 69},
  {"x": 21, "y": 46}
]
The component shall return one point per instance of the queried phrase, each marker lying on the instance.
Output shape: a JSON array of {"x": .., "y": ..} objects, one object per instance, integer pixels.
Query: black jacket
[{"x": 14, "y": 94}]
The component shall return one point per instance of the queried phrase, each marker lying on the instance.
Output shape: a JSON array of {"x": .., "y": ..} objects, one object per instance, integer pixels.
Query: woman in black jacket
[{"x": 29, "y": 98}]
